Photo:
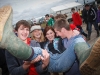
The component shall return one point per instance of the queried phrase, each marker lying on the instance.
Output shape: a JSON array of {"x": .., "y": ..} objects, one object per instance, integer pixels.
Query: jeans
[
  {"x": 90, "y": 27},
  {"x": 62, "y": 62},
  {"x": 81, "y": 30}
]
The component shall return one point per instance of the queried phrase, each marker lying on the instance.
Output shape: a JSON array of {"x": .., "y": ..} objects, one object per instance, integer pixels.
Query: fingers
[
  {"x": 26, "y": 65},
  {"x": 45, "y": 58},
  {"x": 38, "y": 58},
  {"x": 45, "y": 53}
]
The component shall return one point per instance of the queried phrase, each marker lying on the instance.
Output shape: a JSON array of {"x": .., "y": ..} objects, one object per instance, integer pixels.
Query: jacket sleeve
[
  {"x": 94, "y": 14},
  {"x": 34, "y": 43},
  {"x": 14, "y": 67}
]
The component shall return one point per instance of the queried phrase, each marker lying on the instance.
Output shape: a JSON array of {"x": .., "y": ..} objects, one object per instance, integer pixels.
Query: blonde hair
[{"x": 41, "y": 38}]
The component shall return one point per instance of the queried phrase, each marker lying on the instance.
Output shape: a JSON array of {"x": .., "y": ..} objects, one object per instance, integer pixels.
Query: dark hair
[
  {"x": 61, "y": 23},
  {"x": 47, "y": 15},
  {"x": 65, "y": 15},
  {"x": 73, "y": 9},
  {"x": 22, "y": 22},
  {"x": 47, "y": 28},
  {"x": 87, "y": 5}
]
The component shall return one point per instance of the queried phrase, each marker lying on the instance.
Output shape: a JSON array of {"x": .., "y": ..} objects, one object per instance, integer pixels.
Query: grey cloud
[{"x": 29, "y": 13}]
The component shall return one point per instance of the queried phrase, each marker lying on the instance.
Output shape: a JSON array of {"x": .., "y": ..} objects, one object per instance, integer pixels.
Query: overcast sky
[{"x": 27, "y": 9}]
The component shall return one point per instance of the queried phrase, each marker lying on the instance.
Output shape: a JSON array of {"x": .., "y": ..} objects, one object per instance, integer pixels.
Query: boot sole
[
  {"x": 4, "y": 14},
  {"x": 92, "y": 63}
]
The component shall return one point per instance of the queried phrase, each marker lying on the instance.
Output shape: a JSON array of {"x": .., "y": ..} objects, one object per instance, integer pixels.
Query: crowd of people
[{"x": 58, "y": 48}]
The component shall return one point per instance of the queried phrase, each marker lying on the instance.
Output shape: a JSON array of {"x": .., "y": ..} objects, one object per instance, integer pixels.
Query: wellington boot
[
  {"x": 8, "y": 39},
  {"x": 89, "y": 59}
]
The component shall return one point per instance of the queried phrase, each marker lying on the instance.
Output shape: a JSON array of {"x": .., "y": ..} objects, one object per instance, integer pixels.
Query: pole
[{"x": 84, "y": 2}]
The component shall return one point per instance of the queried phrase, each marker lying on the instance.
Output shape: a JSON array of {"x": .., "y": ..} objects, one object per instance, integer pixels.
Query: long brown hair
[{"x": 47, "y": 28}]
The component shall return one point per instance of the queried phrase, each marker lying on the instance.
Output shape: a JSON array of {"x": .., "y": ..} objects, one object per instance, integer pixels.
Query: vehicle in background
[
  {"x": 38, "y": 20},
  {"x": 66, "y": 9},
  {"x": 83, "y": 2}
]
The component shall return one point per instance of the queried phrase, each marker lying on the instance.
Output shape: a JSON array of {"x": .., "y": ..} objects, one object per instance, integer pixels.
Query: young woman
[
  {"x": 17, "y": 66},
  {"x": 51, "y": 42},
  {"x": 36, "y": 33}
]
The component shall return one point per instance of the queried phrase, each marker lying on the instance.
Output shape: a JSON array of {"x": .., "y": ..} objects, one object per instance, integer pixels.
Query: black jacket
[
  {"x": 91, "y": 15},
  {"x": 3, "y": 64}
]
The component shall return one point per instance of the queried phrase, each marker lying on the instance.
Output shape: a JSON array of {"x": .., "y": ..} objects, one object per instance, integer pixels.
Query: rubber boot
[
  {"x": 8, "y": 39},
  {"x": 89, "y": 59}
]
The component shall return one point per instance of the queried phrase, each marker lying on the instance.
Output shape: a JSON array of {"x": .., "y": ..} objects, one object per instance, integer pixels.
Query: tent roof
[{"x": 65, "y": 6}]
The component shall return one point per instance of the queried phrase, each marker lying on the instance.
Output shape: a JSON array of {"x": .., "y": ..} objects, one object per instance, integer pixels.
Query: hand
[
  {"x": 38, "y": 58},
  {"x": 26, "y": 65},
  {"x": 76, "y": 32},
  {"x": 45, "y": 59}
]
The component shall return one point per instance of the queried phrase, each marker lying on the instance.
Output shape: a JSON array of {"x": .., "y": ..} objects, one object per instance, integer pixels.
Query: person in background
[
  {"x": 77, "y": 21},
  {"x": 84, "y": 16},
  {"x": 92, "y": 19},
  {"x": 80, "y": 12},
  {"x": 65, "y": 16},
  {"x": 50, "y": 21},
  {"x": 37, "y": 34},
  {"x": 20, "y": 67},
  {"x": 60, "y": 16},
  {"x": 51, "y": 15}
]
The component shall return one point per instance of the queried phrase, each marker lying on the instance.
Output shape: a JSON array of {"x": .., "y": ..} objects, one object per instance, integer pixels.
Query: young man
[
  {"x": 74, "y": 69},
  {"x": 88, "y": 57},
  {"x": 50, "y": 21},
  {"x": 20, "y": 67},
  {"x": 77, "y": 21},
  {"x": 91, "y": 18}
]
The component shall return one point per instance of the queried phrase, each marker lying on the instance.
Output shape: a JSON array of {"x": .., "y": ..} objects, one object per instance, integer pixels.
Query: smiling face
[
  {"x": 37, "y": 33},
  {"x": 23, "y": 32},
  {"x": 50, "y": 35}
]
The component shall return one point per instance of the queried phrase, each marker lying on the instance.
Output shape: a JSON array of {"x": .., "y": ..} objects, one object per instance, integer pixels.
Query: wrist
[
  {"x": 25, "y": 67},
  {"x": 44, "y": 66}
]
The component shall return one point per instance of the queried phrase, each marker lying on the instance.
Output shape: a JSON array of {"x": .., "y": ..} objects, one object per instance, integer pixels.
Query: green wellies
[
  {"x": 89, "y": 58},
  {"x": 8, "y": 39}
]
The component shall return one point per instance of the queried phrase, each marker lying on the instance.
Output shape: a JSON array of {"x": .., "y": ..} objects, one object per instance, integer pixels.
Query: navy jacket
[{"x": 91, "y": 15}]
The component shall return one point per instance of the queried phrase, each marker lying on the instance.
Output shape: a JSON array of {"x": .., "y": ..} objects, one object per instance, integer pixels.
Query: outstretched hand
[{"x": 44, "y": 58}]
